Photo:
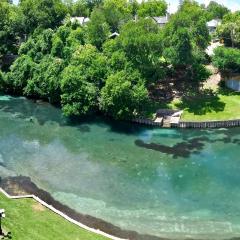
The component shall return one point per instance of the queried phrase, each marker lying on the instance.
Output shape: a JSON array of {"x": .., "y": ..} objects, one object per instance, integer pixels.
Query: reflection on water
[{"x": 163, "y": 182}]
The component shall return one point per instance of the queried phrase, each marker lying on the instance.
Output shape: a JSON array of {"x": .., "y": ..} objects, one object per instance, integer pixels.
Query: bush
[{"x": 227, "y": 59}]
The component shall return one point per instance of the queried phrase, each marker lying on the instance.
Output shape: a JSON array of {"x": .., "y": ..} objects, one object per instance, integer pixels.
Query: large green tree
[
  {"x": 227, "y": 59},
  {"x": 98, "y": 30},
  {"x": 216, "y": 10},
  {"x": 229, "y": 30},
  {"x": 124, "y": 95},
  {"x": 45, "y": 80},
  {"x": 11, "y": 28},
  {"x": 81, "y": 81},
  {"x": 152, "y": 8},
  {"x": 142, "y": 43},
  {"x": 117, "y": 12},
  {"x": 42, "y": 13},
  {"x": 186, "y": 36}
]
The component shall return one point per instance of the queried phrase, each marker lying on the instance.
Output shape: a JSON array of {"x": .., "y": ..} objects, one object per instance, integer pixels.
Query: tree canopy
[
  {"x": 216, "y": 10},
  {"x": 152, "y": 8},
  {"x": 86, "y": 68}
]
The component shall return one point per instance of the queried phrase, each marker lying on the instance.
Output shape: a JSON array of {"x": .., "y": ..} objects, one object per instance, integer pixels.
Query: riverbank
[
  {"x": 27, "y": 219},
  {"x": 20, "y": 186}
]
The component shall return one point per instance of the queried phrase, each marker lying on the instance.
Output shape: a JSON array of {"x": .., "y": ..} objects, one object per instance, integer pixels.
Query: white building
[
  {"x": 80, "y": 20},
  {"x": 213, "y": 24}
]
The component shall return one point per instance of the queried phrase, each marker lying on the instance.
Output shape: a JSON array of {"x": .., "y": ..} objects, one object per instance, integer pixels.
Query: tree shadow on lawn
[{"x": 202, "y": 103}]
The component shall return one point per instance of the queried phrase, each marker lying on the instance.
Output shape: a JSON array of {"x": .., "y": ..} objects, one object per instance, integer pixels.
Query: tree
[
  {"x": 81, "y": 81},
  {"x": 80, "y": 9},
  {"x": 179, "y": 52},
  {"x": 42, "y": 13},
  {"x": 91, "y": 4},
  {"x": 21, "y": 72},
  {"x": 117, "y": 12},
  {"x": 45, "y": 80},
  {"x": 152, "y": 8},
  {"x": 216, "y": 10},
  {"x": 124, "y": 95},
  {"x": 186, "y": 36},
  {"x": 79, "y": 97},
  {"x": 142, "y": 43},
  {"x": 229, "y": 30},
  {"x": 97, "y": 30},
  {"x": 227, "y": 59},
  {"x": 10, "y": 28}
]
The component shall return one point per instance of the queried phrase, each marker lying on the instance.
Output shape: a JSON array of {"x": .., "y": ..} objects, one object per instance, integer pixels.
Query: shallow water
[{"x": 163, "y": 182}]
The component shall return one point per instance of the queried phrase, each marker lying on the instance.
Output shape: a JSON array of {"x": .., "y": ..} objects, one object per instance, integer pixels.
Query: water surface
[{"x": 163, "y": 182}]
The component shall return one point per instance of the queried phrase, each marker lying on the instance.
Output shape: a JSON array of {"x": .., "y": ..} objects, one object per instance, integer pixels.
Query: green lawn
[
  {"x": 209, "y": 105},
  {"x": 28, "y": 220},
  {"x": 216, "y": 107}
]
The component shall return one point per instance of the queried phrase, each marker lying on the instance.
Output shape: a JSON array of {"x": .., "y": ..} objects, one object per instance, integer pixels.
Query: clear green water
[{"x": 163, "y": 182}]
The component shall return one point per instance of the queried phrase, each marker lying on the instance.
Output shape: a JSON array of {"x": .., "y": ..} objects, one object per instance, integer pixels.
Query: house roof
[
  {"x": 161, "y": 20},
  {"x": 113, "y": 35},
  {"x": 214, "y": 23}
]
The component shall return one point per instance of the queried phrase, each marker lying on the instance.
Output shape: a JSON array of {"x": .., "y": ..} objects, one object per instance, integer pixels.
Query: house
[
  {"x": 213, "y": 24},
  {"x": 114, "y": 35},
  {"x": 80, "y": 20},
  {"x": 161, "y": 21}
]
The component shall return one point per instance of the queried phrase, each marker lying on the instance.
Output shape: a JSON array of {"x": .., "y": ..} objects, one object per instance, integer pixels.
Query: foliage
[
  {"x": 81, "y": 81},
  {"x": 98, "y": 30},
  {"x": 124, "y": 95},
  {"x": 86, "y": 71},
  {"x": 79, "y": 97},
  {"x": 42, "y": 13},
  {"x": 229, "y": 30},
  {"x": 216, "y": 10},
  {"x": 152, "y": 8},
  {"x": 21, "y": 72},
  {"x": 142, "y": 43},
  {"x": 80, "y": 8},
  {"x": 185, "y": 39},
  {"x": 10, "y": 28},
  {"x": 45, "y": 81},
  {"x": 227, "y": 59},
  {"x": 117, "y": 12}
]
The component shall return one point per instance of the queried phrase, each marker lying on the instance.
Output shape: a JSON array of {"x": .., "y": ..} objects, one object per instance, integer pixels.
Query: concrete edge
[{"x": 96, "y": 231}]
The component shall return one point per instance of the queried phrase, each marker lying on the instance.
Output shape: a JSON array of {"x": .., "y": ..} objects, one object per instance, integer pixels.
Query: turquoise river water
[{"x": 163, "y": 182}]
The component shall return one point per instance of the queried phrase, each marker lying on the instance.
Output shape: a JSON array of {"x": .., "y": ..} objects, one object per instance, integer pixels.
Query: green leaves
[
  {"x": 124, "y": 95},
  {"x": 98, "y": 30},
  {"x": 152, "y": 8},
  {"x": 79, "y": 97},
  {"x": 227, "y": 59}
]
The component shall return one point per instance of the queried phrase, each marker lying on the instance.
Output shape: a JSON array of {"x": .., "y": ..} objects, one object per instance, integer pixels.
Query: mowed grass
[
  {"x": 217, "y": 107},
  {"x": 26, "y": 219},
  {"x": 222, "y": 104}
]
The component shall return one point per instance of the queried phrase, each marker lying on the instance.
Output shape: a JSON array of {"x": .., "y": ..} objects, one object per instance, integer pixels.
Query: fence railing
[{"x": 208, "y": 124}]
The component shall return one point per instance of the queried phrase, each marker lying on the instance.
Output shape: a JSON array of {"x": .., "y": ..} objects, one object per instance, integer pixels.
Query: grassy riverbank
[
  {"x": 27, "y": 219},
  {"x": 207, "y": 105},
  {"x": 220, "y": 106}
]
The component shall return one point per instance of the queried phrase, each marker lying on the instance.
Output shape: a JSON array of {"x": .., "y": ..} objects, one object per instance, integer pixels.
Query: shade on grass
[
  {"x": 218, "y": 107},
  {"x": 28, "y": 220}
]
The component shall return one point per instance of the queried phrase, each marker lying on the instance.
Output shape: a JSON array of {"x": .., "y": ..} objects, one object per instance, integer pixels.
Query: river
[{"x": 163, "y": 182}]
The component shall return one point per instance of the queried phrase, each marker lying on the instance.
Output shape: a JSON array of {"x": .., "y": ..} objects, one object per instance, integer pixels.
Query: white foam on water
[{"x": 5, "y": 98}]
